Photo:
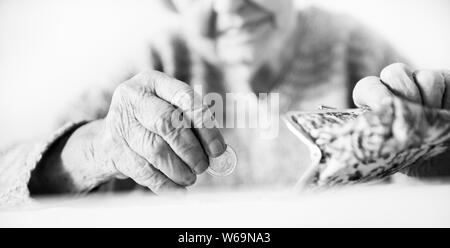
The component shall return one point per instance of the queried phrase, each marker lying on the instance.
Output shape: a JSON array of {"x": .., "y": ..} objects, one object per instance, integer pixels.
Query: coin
[{"x": 224, "y": 164}]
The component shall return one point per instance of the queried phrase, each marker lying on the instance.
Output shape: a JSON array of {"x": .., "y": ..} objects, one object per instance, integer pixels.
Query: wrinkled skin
[
  {"x": 146, "y": 145},
  {"x": 430, "y": 88}
]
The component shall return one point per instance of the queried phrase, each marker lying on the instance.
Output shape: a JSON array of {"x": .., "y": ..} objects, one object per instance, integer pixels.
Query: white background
[{"x": 51, "y": 49}]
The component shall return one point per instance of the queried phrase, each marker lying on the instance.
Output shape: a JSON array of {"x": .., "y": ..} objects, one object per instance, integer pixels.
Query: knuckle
[
  {"x": 394, "y": 70},
  {"x": 154, "y": 149},
  {"x": 160, "y": 184},
  {"x": 165, "y": 126},
  {"x": 156, "y": 182},
  {"x": 120, "y": 93},
  {"x": 142, "y": 174},
  {"x": 146, "y": 75},
  {"x": 185, "y": 97},
  {"x": 125, "y": 88},
  {"x": 191, "y": 149},
  {"x": 187, "y": 93},
  {"x": 151, "y": 77},
  {"x": 125, "y": 94},
  {"x": 137, "y": 86},
  {"x": 159, "y": 147}
]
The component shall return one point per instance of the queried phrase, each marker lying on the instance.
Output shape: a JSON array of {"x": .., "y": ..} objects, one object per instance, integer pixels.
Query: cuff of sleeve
[{"x": 17, "y": 163}]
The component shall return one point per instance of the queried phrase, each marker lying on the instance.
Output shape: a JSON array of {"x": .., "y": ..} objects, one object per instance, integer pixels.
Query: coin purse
[{"x": 358, "y": 145}]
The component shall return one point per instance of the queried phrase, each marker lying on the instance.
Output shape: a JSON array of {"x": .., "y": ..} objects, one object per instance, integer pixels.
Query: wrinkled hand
[
  {"x": 139, "y": 139},
  {"x": 428, "y": 87}
]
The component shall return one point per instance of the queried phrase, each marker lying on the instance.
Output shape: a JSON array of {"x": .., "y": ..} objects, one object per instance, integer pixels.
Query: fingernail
[
  {"x": 191, "y": 179},
  {"x": 216, "y": 148},
  {"x": 200, "y": 167}
]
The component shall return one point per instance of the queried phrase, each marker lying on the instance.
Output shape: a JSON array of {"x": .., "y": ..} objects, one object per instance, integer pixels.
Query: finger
[
  {"x": 159, "y": 117},
  {"x": 143, "y": 173},
  {"x": 202, "y": 120},
  {"x": 399, "y": 79},
  {"x": 446, "y": 98},
  {"x": 370, "y": 92},
  {"x": 156, "y": 151},
  {"x": 183, "y": 96},
  {"x": 210, "y": 137},
  {"x": 432, "y": 87}
]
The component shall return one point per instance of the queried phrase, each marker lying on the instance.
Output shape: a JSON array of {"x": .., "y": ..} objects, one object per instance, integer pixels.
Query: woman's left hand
[{"x": 430, "y": 88}]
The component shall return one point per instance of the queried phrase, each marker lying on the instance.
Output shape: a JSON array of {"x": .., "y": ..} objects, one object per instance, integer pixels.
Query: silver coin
[{"x": 224, "y": 164}]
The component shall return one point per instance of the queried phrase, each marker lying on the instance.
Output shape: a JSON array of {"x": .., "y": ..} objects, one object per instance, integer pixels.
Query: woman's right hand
[{"x": 140, "y": 140}]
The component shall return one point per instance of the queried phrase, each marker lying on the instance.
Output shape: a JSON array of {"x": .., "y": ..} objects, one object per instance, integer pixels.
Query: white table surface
[{"x": 423, "y": 205}]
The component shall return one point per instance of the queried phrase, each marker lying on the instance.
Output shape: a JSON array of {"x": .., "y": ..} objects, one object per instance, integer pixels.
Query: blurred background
[{"x": 51, "y": 50}]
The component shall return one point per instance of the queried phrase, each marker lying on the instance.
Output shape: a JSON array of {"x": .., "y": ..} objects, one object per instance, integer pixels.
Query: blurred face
[{"x": 236, "y": 31}]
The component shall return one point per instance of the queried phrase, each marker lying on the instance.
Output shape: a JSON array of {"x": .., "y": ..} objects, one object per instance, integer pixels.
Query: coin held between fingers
[{"x": 224, "y": 164}]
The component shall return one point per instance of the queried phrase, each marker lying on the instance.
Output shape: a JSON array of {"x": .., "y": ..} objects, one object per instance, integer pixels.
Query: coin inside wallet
[{"x": 359, "y": 145}]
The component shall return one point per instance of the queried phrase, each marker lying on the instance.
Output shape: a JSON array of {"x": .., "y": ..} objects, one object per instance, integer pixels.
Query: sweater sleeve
[{"x": 17, "y": 163}]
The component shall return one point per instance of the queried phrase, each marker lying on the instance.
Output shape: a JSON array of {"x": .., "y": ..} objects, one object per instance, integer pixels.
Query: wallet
[{"x": 360, "y": 145}]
